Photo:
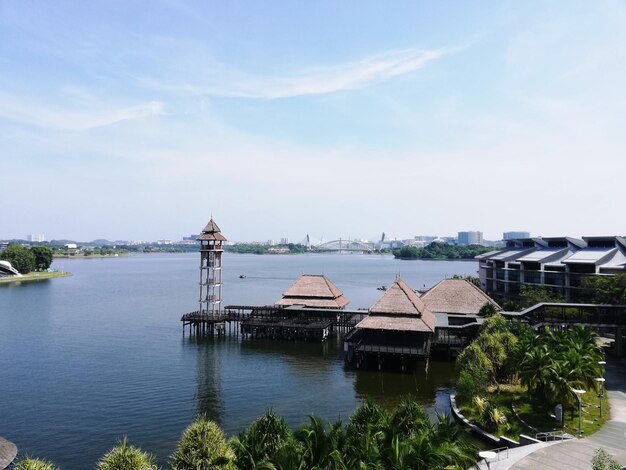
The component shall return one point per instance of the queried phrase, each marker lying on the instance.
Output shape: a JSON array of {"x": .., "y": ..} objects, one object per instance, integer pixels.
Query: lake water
[{"x": 88, "y": 359}]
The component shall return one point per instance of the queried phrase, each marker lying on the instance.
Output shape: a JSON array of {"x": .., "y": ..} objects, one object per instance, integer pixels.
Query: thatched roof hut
[
  {"x": 399, "y": 309},
  {"x": 314, "y": 290},
  {"x": 456, "y": 296}
]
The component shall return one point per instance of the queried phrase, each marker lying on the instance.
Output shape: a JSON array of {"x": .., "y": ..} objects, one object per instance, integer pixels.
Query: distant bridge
[{"x": 343, "y": 245}]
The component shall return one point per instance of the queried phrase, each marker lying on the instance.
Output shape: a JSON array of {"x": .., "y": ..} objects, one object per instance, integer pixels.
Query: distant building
[
  {"x": 3, "y": 246},
  {"x": 391, "y": 244},
  {"x": 71, "y": 249},
  {"x": 190, "y": 238},
  {"x": 470, "y": 238},
  {"x": 37, "y": 238},
  {"x": 515, "y": 235},
  {"x": 425, "y": 238},
  {"x": 284, "y": 241},
  {"x": 559, "y": 263}
]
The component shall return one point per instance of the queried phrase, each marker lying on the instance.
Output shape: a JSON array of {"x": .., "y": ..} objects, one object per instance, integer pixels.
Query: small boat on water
[
  {"x": 241, "y": 276},
  {"x": 381, "y": 288}
]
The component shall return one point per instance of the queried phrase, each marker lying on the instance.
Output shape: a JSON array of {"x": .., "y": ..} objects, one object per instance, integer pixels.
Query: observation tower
[{"x": 211, "y": 249}]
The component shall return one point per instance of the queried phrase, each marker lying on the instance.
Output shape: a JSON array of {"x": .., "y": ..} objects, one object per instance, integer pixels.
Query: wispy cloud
[
  {"x": 317, "y": 80},
  {"x": 353, "y": 75},
  {"x": 25, "y": 111}
]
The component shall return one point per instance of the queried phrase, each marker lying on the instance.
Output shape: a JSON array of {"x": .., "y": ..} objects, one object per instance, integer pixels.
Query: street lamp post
[
  {"x": 578, "y": 393},
  {"x": 600, "y": 381}
]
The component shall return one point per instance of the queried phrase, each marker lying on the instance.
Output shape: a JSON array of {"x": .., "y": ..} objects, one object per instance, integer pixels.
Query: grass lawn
[
  {"x": 537, "y": 413},
  {"x": 35, "y": 276}
]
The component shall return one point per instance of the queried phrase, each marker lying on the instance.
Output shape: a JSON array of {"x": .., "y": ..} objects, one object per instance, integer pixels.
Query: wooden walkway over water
[
  {"x": 8, "y": 452},
  {"x": 271, "y": 321}
]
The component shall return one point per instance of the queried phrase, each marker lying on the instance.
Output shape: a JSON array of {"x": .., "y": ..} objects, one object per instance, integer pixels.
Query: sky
[{"x": 139, "y": 120}]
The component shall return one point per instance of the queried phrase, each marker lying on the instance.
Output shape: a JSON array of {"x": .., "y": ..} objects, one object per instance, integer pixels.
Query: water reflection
[
  {"x": 209, "y": 402},
  {"x": 388, "y": 388}
]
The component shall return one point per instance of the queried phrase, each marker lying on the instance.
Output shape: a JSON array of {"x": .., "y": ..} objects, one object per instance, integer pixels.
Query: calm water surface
[{"x": 100, "y": 355}]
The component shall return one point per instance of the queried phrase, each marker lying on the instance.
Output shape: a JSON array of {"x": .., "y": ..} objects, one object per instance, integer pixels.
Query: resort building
[
  {"x": 456, "y": 297},
  {"x": 314, "y": 291},
  {"x": 559, "y": 263},
  {"x": 457, "y": 305},
  {"x": 398, "y": 324}
]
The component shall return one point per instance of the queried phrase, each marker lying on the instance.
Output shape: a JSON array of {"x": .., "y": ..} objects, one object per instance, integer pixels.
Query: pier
[
  {"x": 400, "y": 326},
  {"x": 293, "y": 322}
]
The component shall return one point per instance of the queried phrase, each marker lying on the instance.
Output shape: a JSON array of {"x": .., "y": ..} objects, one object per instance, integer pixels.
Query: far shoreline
[{"x": 34, "y": 276}]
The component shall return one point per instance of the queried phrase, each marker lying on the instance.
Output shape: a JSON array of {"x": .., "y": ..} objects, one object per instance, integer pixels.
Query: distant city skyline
[
  {"x": 327, "y": 118},
  {"x": 462, "y": 238}
]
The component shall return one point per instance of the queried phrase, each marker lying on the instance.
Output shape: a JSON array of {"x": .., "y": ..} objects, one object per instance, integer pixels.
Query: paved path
[
  {"x": 577, "y": 453},
  {"x": 8, "y": 451}
]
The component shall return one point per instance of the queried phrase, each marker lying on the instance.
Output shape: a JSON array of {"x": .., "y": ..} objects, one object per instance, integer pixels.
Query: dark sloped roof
[
  {"x": 456, "y": 296},
  {"x": 314, "y": 291},
  {"x": 211, "y": 232}
]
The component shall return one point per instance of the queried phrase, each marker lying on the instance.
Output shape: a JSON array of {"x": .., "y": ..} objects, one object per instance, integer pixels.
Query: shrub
[
  {"x": 126, "y": 457},
  {"x": 203, "y": 447},
  {"x": 34, "y": 464},
  {"x": 469, "y": 385},
  {"x": 602, "y": 460}
]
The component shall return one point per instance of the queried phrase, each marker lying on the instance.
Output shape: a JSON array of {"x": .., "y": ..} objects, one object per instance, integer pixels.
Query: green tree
[
  {"x": 487, "y": 310},
  {"x": 203, "y": 447},
  {"x": 43, "y": 257},
  {"x": 606, "y": 289},
  {"x": 602, "y": 460},
  {"x": 532, "y": 295},
  {"x": 21, "y": 258},
  {"x": 262, "y": 441},
  {"x": 34, "y": 464},
  {"x": 126, "y": 457},
  {"x": 322, "y": 443},
  {"x": 474, "y": 361}
]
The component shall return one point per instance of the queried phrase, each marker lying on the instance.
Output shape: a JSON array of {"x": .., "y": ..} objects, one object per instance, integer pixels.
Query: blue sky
[{"x": 137, "y": 120}]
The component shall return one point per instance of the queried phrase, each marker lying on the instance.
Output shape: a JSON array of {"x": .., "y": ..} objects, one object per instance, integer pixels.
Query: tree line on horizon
[{"x": 437, "y": 250}]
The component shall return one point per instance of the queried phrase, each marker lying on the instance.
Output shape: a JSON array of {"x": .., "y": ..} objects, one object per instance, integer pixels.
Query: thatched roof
[
  {"x": 456, "y": 296},
  {"x": 388, "y": 322},
  {"x": 212, "y": 232},
  {"x": 399, "y": 309},
  {"x": 314, "y": 290}
]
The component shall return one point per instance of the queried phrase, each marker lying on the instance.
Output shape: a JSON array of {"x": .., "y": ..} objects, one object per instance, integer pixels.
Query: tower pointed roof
[{"x": 212, "y": 232}]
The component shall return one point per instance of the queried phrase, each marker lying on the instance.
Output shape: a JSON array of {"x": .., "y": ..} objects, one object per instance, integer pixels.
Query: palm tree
[
  {"x": 126, "y": 457},
  {"x": 203, "y": 447},
  {"x": 322, "y": 442},
  {"x": 408, "y": 418},
  {"x": 533, "y": 368},
  {"x": 262, "y": 440},
  {"x": 34, "y": 464}
]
